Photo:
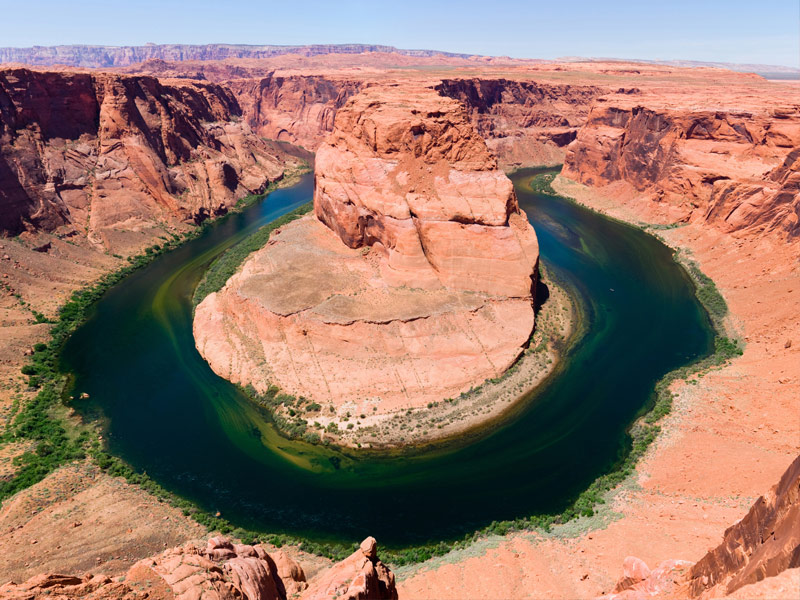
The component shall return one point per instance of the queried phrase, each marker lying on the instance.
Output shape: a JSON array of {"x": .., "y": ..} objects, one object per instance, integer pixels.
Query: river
[{"x": 166, "y": 413}]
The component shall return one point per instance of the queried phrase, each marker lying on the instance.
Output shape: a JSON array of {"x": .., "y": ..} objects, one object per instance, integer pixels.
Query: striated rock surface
[
  {"x": 735, "y": 168},
  {"x": 524, "y": 122},
  {"x": 411, "y": 282},
  {"x": 763, "y": 544},
  {"x": 220, "y": 570},
  {"x": 121, "y": 158},
  {"x": 297, "y": 109}
]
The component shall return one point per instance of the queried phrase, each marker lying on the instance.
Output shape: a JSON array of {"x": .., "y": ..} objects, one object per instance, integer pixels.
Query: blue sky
[{"x": 752, "y": 31}]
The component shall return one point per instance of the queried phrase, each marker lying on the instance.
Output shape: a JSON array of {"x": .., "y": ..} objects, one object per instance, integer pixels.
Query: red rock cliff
[
  {"x": 118, "y": 157},
  {"x": 762, "y": 545},
  {"x": 525, "y": 123},
  {"x": 733, "y": 168},
  {"x": 296, "y": 109}
]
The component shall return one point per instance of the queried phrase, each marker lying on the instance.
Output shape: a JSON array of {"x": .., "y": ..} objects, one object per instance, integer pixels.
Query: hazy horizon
[{"x": 735, "y": 31}]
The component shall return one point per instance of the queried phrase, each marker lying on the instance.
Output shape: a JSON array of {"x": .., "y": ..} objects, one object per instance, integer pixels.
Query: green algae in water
[{"x": 196, "y": 434}]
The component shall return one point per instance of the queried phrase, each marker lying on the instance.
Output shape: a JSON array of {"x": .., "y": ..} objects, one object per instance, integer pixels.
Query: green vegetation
[
  {"x": 57, "y": 441},
  {"x": 541, "y": 183},
  {"x": 706, "y": 291},
  {"x": 226, "y": 265}
]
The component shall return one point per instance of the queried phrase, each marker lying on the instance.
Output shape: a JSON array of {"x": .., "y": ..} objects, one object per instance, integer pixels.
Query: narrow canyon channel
[{"x": 166, "y": 413}]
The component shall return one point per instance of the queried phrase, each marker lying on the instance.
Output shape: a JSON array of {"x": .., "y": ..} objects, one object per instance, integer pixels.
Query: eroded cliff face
[
  {"x": 411, "y": 282},
  {"x": 735, "y": 169},
  {"x": 763, "y": 544},
  {"x": 525, "y": 123},
  {"x": 296, "y": 109},
  {"x": 120, "y": 159},
  {"x": 222, "y": 570}
]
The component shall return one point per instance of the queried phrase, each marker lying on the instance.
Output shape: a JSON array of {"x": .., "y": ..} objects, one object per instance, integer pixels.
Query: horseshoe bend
[
  {"x": 532, "y": 324},
  {"x": 412, "y": 281}
]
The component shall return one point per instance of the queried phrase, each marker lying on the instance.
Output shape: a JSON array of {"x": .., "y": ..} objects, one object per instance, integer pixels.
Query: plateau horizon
[{"x": 736, "y": 31}]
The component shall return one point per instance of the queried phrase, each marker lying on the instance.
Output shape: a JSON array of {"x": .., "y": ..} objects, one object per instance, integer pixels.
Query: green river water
[{"x": 168, "y": 414}]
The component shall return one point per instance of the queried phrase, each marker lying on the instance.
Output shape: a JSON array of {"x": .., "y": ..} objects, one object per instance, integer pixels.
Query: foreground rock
[
  {"x": 221, "y": 570},
  {"x": 412, "y": 281},
  {"x": 360, "y": 576}
]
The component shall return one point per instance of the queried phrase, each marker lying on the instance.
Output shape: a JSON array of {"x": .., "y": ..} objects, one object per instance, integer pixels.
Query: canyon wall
[
  {"x": 736, "y": 169},
  {"x": 120, "y": 158},
  {"x": 412, "y": 282},
  {"x": 525, "y": 123},
  {"x": 297, "y": 109},
  {"x": 761, "y": 545}
]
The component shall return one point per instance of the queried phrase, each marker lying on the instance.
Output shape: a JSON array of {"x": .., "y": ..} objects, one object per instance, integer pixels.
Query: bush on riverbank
[{"x": 224, "y": 267}]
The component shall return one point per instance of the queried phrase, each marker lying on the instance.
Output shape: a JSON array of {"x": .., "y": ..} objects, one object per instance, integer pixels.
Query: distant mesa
[{"x": 122, "y": 56}]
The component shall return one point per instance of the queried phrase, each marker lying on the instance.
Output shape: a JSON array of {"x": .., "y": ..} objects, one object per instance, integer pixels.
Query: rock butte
[{"x": 412, "y": 281}]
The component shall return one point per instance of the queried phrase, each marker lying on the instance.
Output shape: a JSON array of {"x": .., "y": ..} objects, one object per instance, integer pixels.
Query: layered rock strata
[
  {"x": 297, "y": 109},
  {"x": 121, "y": 158},
  {"x": 763, "y": 544},
  {"x": 524, "y": 122},
  {"x": 735, "y": 168},
  {"x": 412, "y": 281}
]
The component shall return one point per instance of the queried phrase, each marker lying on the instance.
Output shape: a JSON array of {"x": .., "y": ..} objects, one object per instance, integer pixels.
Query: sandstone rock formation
[
  {"x": 361, "y": 576},
  {"x": 412, "y": 282},
  {"x": 524, "y": 122},
  {"x": 297, "y": 109},
  {"x": 120, "y": 158},
  {"x": 735, "y": 168},
  {"x": 220, "y": 570},
  {"x": 765, "y": 543}
]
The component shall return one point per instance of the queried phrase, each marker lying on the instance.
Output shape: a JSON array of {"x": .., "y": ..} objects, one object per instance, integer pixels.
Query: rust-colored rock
[
  {"x": 641, "y": 582},
  {"x": 413, "y": 283},
  {"x": 361, "y": 576},
  {"x": 120, "y": 157},
  {"x": 296, "y": 109},
  {"x": 735, "y": 168},
  {"x": 220, "y": 570},
  {"x": 764, "y": 543},
  {"x": 525, "y": 123}
]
